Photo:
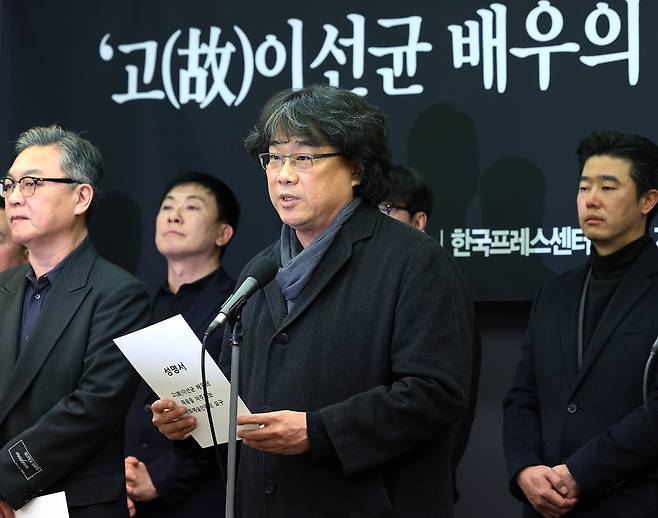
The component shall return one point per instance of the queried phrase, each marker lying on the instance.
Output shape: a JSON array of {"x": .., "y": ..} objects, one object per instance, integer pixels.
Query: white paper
[
  {"x": 168, "y": 356},
  {"x": 47, "y": 506}
]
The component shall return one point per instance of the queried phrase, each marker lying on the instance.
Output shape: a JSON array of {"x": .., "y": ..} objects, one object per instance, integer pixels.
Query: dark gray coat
[
  {"x": 377, "y": 351},
  {"x": 63, "y": 400}
]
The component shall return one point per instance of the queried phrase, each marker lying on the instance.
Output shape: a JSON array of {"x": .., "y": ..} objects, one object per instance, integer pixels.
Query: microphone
[{"x": 261, "y": 273}]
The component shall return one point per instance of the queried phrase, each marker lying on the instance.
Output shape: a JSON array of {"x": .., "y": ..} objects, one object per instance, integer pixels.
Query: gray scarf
[{"x": 297, "y": 263}]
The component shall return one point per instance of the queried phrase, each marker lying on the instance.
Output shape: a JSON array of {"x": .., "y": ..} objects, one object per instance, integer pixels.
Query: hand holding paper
[
  {"x": 171, "y": 420},
  {"x": 168, "y": 356}
]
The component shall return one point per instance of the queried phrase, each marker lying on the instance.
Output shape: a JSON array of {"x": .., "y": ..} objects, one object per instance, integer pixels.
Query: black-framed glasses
[
  {"x": 27, "y": 184},
  {"x": 273, "y": 162},
  {"x": 387, "y": 207}
]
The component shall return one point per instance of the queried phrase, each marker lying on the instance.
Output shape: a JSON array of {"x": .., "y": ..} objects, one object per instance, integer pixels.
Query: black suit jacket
[
  {"x": 62, "y": 402},
  {"x": 591, "y": 418},
  {"x": 185, "y": 487},
  {"x": 374, "y": 351}
]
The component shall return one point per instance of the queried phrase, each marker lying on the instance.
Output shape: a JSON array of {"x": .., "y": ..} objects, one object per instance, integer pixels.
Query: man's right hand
[
  {"x": 546, "y": 500},
  {"x": 171, "y": 420}
]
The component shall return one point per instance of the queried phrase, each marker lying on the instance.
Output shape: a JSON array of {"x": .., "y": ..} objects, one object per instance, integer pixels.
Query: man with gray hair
[{"x": 64, "y": 385}]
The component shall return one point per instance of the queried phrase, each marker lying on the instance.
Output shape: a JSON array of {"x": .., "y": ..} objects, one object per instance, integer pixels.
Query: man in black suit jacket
[
  {"x": 64, "y": 385},
  {"x": 577, "y": 438},
  {"x": 198, "y": 217}
]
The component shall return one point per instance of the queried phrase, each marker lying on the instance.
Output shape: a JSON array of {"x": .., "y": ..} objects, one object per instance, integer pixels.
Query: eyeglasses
[
  {"x": 27, "y": 184},
  {"x": 272, "y": 162},
  {"x": 386, "y": 207}
]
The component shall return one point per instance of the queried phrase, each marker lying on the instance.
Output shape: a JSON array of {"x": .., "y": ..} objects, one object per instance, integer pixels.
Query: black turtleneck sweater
[{"x": 607, "y": 273}]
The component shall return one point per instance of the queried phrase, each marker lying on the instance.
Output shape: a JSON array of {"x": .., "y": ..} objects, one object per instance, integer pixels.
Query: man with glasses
[
  {"x": 64, "y": 385},
  {"x": 352, "y": 358},
  {"x": 410, "y": 199}
]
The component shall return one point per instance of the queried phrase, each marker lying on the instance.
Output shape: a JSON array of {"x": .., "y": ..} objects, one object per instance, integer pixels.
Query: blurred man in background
[
  {"x": 197, "y": 219},
  {"x": 410, "y": 199}
]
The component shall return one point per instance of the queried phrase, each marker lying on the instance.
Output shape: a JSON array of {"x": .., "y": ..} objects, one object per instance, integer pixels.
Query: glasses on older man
[
  {"x": 387, "y": 207},
  {"x": 273, "y": 162},
  {"x": 27, "y": 184}
]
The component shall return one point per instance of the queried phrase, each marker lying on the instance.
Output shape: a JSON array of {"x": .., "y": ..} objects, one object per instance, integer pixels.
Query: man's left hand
[
  {"x": 139, "y": 485},
  {"x": 283, "y": 432}
]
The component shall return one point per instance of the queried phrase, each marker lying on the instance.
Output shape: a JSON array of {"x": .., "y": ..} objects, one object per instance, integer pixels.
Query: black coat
[
  {"x": 377, "y": 351},
  {"x": 591, "y": 418},
  {"x": 65, "y": 397},
  {"x": 186, "y": 488}
]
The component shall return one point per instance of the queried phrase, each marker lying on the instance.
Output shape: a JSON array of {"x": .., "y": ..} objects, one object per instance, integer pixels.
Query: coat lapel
[
  {"x": 569, "y": 307},
  {"x": 273, "y": 297},
  {"x": 634, "y": 284},
  {"x": 64, "y": 298},
  {"x": 11, "y": 310},
  {"x": 358, "y": 227}
]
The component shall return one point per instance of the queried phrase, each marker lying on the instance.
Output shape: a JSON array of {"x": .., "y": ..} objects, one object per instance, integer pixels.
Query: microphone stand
[{"x": 236, "y": 340}]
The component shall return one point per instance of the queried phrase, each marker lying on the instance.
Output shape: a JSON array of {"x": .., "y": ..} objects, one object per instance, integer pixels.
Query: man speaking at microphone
[
  {"x": 353, "y": 357},
  {"x": 577, "y": 438}
]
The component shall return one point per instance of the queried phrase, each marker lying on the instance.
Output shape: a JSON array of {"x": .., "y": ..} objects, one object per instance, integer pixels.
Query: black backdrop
[
  {"x": 487, "y": 100},
  {"x": 164, "y": 86}
]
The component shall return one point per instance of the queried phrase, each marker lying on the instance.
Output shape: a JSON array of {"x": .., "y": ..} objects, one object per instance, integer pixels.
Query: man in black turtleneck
[{"x": 577, "y": 438}]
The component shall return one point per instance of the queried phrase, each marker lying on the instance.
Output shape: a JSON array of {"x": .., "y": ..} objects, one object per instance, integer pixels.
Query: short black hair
[
  {"x": 227, "y": 204},
  {"x": 2, "y": 203},
  {"x": 410, "y": 191},
  {"x": 641, "y": 152},
  {"x": 326, "y": 115}
]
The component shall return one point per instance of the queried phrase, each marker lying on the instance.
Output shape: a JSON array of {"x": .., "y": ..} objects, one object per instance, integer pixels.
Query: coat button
[
  {"x": 147, "y": 408},
  {"x": 144, "y": 446},
  {"x": 282, "y": 338},
  {"x": 266, "y": 408},
  {"x": 270, "y": 487},
  {"x": 572, "y": 408}
]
